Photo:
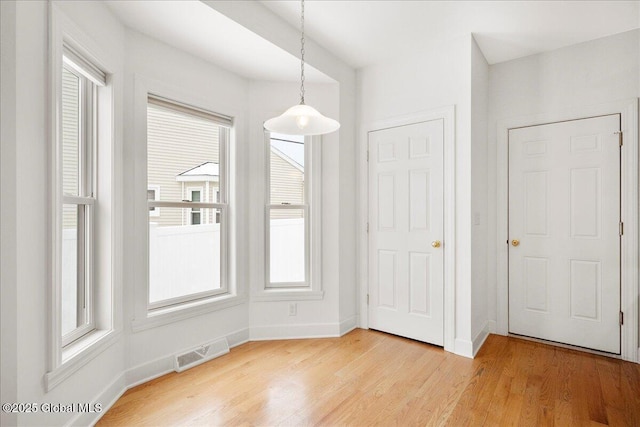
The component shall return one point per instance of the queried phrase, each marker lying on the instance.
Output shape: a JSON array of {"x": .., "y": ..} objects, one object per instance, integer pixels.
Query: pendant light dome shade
[{"x": 301, "y": 119}]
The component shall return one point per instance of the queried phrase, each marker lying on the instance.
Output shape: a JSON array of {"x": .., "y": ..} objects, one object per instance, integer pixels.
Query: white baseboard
[
  {"x": 297, "y": 331},
  {"x": 349, "y": 325},
  {"x": 468, "y": 348},
  {"x": 148, "y": 371},
  {"x": 161, "y": 366},
  {"x": 238, "y": 337},
  {"x": 492, "y": 326},
  {"x": 141, "y": 374},
  {"x": 479, "y": 340},
  {"x": 463, "y": 348},
  {"x": 111, "y": 393}
]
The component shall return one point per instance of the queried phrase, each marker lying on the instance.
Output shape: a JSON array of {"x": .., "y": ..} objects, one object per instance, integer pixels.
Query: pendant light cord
[{"x": 302, "y": 52}]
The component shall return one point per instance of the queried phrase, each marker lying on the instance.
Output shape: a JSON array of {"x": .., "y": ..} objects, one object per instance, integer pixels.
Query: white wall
[
  {"x": 436, "y": 77},
  {"x": 259, "y": 19},
  {"x": 29, "y": 288},
  {"x": 268, "y": 99},
  {"x": 8, "y": 213},
  {"x": 479, "y": 189},
  {"x": 453, "y": 73},
  {"x": 586, "y": 74},
  {"x": 146, "y": 352},
  {"x": 194, "y": 80}
]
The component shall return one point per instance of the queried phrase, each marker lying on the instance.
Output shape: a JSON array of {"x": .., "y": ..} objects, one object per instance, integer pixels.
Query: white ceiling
[
  {"x": 367, "y": 32},
  {"x": 363, "y": 33},
  {"x": 200, "y": 30}
]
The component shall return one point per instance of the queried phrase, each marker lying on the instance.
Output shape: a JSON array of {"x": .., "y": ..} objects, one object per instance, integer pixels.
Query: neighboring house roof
[
  {"x": 287, "y": 159},
  {"x": 290, "y": 148},
  {"x": 210, "y": 171},
  {"x": 207, "y": 171}
]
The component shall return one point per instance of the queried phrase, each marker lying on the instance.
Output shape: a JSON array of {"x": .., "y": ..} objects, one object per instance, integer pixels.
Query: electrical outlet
[{"x": 293, "y": 309}]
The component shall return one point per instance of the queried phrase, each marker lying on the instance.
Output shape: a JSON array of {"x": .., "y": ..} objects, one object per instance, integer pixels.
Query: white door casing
[
  {"x": 406, "y": 202},
  {"x": 564, "y": 209}
]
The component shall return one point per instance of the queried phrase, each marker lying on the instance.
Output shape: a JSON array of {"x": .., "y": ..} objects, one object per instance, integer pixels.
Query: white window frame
[
  {"x": 169, "y": 305},
  {"x": 68, "y": 354},
  {"x": 84, "y": 201},
  {"x": 156, "y": 192},
  {"x": 311, "y": 288}
]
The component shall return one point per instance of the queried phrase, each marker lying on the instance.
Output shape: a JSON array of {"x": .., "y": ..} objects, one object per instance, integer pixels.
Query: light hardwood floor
[{"x": 371, "y": 378}]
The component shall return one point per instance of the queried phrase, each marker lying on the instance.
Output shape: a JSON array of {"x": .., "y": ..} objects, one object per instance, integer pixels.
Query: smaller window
[
  {"x": 288, "y": 224},
  {"x": 153, "y": 194},
  {"x": 195, "y": 216},
  {"x": 77, "y": 151}
]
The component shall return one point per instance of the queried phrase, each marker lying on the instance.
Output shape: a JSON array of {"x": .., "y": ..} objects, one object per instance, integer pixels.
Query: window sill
[
  {"x": 287, "y": 295},
  {"x": 78, "y": 354},
  {"x": 168, "y": 315}
]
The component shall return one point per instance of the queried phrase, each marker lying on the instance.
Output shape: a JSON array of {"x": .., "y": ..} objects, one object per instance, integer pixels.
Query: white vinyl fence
[
  {"x": 183, "y": 260},
  {"x": 286, "y": 261},
  {"x": 69, "y": 280},
  {"x": 186, "y": 259}
]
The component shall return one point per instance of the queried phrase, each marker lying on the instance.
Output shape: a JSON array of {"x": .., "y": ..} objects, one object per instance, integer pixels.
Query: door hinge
[
  {"x": 367, "y": 155},
  {"x": 619, "y": 133},
  {"x": 621, "y": 228},
  {"x": 367, "y": 299},
  {"x": 367, "y": 227},
  {"x": 621, "y": 318}
]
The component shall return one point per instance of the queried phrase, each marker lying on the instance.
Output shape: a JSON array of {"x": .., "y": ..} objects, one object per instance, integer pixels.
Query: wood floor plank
[{"x": 371, "y": 378}]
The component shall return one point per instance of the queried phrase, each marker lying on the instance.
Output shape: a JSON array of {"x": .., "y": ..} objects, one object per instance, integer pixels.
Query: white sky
[{"x": 292, "y": 146}]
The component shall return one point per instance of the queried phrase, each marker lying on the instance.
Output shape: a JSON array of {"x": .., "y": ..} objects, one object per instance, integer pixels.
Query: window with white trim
[
  {"x": 195, "y": 215},
  {"x": 84, "y": 166},
  {"x": 153, "y": 194},
  {"x": 187, "y": 154},
  {"x": 78, "y": 202},
  {"x": 288, "y": 230}
]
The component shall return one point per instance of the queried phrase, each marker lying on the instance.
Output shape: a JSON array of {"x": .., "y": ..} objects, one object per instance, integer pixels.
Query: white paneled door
[
  {"x": 406, "y": 231},
  {"x": 564, "y": 231}
]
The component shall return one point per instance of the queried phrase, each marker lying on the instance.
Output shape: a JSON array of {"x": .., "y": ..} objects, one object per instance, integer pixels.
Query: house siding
[
  {"x": 177, "y": 142},
  {"x": 70, "y": 136},
  {"x": 287, "y": 186}
]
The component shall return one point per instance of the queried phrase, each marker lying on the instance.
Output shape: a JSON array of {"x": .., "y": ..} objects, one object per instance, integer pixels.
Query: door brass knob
[
  {"x": 515, "y": 242},
  {"x": 435, "y": 243}
]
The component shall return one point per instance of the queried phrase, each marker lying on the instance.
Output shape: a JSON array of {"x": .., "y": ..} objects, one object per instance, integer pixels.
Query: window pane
[
  {"x": 151, "y": 195},
  {"x": 287, "y": 169},
  {"x": 183, "y": 259},
  {"x": 70, "y": 132},
  {"x": 195, "y": 217},
  {"x": 72, "y": 314},
  {"x": 287, "y": 246},
  {"x": 183, "y": 151}
]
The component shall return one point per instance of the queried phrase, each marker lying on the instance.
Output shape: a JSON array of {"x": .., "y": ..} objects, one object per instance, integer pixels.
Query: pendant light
[{"x": 301, "y": 119}]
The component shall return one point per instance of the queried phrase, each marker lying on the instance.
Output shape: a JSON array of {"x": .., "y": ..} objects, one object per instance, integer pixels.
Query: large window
[
  {"x": 77, "y": 154},
  {"x": 287, "y": 214},
  {"x": 188, "y": 237}
]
